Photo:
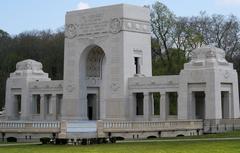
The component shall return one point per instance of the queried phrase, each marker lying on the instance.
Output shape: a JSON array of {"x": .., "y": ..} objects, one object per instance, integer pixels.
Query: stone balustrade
[
  {"x": 221, "y": 125},
  {"x": 7, "y": 124},
  {"x": 102, "y": 126},
  {"x": 29, "y": 126},
  {"x": 123, "y": 126}
]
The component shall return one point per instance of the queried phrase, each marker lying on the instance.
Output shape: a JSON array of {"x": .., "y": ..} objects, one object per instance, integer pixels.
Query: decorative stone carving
[
  {"x": 210, "y": 54},
  {"x": 46, "y": 86},
  {"x": 94, "y": 62},
  {"x": 115, "y": 25},
  {"x": 115, "y": 87},
  {"x": 70, "y": 88},
  {"x": 198, "y": 63},
  {"x": 93, "y": 81},
  {"x": 102, "y": 27},
  {"x": 29, "y": 65},
  {"x": 136, "y": 26},
  {"x": 226, "y": 75},
  {"x": 129, "y": 25},
  {"x": 29, "y": 68},
  {"x": 70, "y": 31}
]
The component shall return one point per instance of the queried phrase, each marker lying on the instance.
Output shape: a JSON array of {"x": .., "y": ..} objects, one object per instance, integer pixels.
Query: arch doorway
[{"x": 93, "y": 79}]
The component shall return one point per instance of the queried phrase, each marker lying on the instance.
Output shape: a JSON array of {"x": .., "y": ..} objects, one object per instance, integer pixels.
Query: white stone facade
[
  {"x": 31, "y": 94},
  {"x": 108, "y": 76},
  {"x": 207, "y": 88},
  {"x": 114, "y": 32}
]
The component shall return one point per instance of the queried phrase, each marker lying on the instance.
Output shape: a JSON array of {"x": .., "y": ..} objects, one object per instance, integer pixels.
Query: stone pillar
[
  {"x": 163, "y": 111},
  {"x": 63, "y": 130},
  {"x": 97, "y": 107},
  {"x": 100, "y": 128},
  {"x": 152, "y": 104},
  {"x": 25, "y": 102},
  {"x": 84, "y": 109},
  {"x": 132, "y": 106},
  {"x": 231, "y": 106},
  {"x": 183, "y": 103},
  {"x": 9, "y": 101},
  {"x": 213, "y": 108},
  {"x": 192, "y": 105},
  {"x": 42, "y": 107},
  {"x": 54, "y": 106},
  {"x": 235, "y": 97},
  {"x": 10, "y": 107},
  {"x": 146, "y": 106}
]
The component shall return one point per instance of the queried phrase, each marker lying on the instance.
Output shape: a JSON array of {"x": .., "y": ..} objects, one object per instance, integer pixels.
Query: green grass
[
  {"x": 223, "y": 146},
  {"x": 136, "y": 147}
]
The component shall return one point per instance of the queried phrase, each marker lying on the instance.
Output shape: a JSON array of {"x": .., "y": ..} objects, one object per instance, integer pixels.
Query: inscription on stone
[
  {"x": 92, "y": 23},
  {"x": 87, "y": 25},
  {"x": 98, "y": 23}
]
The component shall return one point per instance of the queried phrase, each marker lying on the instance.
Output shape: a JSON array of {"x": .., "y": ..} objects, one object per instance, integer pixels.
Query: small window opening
[{"x": 137, "y": 65}]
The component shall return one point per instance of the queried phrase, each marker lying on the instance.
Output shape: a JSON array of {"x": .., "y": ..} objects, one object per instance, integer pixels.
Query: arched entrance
[{"x": 91, "y": 79}]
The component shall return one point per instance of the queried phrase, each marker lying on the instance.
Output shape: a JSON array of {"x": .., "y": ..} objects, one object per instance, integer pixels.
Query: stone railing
[
  {"x": 221, "y": 125},
  {"x": 29, "y": 126},
  {"x": 124, "y": 126}
]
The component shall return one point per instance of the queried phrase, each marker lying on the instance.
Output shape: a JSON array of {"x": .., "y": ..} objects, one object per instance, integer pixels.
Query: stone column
[
  {"x": 226, "y": 104},
  {"x": 235, "y": 97},
  {"x": 152, "y": 104},
  {"x": 213, "y": 108},
  {"x": 10, "y": 107},
  {"x": 42, "y": 107},
  {"x": 231, "y": 106},
  {"x": 132, "y": 106},
  {"x": 98, "y": 107},
  {"x": 146, "y": 106},
  {"x": 84, "y": 109},
  {"x": 54, "y": 106},
  {"x": 163, "y": 111},
  {"x": 192, "y": 105}
]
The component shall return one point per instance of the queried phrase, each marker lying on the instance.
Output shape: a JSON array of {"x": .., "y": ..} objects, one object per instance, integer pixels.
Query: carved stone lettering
[{"x": 93, "y": 23}]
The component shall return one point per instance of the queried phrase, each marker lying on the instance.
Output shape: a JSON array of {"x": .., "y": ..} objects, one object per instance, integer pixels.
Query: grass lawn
[{"x": 231, "y": 146}]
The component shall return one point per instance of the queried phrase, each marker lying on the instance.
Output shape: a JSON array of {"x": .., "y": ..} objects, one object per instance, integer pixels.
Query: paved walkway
[
  {"x": 18, "y": 144},
  {"x": 180, "y": 140}
]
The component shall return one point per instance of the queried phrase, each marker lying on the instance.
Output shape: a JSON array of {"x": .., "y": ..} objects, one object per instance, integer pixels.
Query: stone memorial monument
[{"x": 108, "y": 87}]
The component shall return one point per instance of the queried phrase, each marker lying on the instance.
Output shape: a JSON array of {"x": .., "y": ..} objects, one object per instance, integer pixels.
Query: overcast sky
[{"x": 17, "y": 16}]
